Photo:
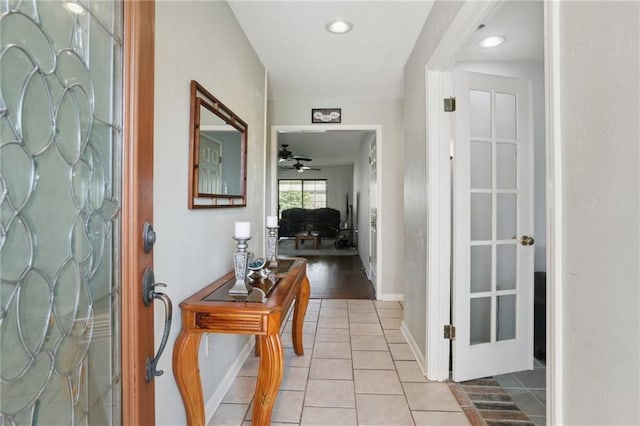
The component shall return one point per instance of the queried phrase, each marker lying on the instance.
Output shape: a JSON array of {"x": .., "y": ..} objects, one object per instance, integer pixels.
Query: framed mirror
[{"x": 217, "y": 153}]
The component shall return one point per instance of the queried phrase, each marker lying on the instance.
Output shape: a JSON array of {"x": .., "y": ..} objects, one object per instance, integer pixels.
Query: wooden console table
[{"x": 204, "y": 312}]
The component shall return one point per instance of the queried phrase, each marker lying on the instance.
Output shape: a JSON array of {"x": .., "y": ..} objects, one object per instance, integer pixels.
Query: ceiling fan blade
[{"x": 301, "y": 158}]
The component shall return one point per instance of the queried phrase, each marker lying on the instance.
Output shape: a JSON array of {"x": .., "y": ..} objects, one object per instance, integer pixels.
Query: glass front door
[{"x": 60, "y": 202}]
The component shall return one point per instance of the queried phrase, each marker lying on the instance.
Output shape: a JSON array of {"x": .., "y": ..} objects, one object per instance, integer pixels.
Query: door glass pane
[
  {"x": 480, "y": 165},
  {"x": 505, "y": 116},
  {"x": 480, "y": 268},
  {"x": 480, "y": 217},
  {"x": 60, "y": 176},
  {"x": 506, "y": 167},
  {"x": 480, "y": 113},
  {"x": 506, "y": 317},
  {"x": 506, "y": 266},
  {"x": 506, "y": 207},
  {"x": 480, "y": 320}
]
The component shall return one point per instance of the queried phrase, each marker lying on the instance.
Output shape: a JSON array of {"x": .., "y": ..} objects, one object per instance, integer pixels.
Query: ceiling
[
  {"x": 521, "y": 22},
  {"x": 303, "y": 60}
]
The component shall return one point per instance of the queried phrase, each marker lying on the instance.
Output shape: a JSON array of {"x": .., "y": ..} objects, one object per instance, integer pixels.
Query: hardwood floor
[{"x": 338, "y": 277}]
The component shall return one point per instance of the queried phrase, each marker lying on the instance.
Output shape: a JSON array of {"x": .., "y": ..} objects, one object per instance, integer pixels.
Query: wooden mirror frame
[{"x": 201, "y": 98}]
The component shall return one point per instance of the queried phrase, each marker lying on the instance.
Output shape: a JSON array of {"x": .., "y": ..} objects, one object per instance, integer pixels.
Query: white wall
[
  {"x": 599, "y": 108},
  {"x": 415, "y": 169},
  {"x": 387, "y": 113},
  {"x": 200, "y": 41},
  {"x": 533, "y": 71},
  {"x": 339, "y": 182}
]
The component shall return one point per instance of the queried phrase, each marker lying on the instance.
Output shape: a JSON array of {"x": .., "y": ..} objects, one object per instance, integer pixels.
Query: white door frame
[
  {"x": 438, "y": 87},
  {"x": 272, "y": 204}
]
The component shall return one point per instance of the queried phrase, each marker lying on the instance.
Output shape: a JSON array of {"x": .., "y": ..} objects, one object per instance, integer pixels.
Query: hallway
[{"x": 357, "y": 369}]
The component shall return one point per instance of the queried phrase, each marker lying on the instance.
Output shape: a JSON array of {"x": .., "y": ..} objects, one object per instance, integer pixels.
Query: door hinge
[
  {"x": 451, "y": 149},
  {"x": 450, "y": 332},
  {"x": 449, "y": 104}
]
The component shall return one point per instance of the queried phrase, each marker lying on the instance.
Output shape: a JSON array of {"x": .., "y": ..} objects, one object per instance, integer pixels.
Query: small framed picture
[{"x": 326, "y": 115}]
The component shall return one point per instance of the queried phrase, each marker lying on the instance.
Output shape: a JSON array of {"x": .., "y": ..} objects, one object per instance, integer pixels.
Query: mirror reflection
[{"x": 218, "y": 153}]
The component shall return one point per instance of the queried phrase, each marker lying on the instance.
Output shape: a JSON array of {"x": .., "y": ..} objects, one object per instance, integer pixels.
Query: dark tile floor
[
  {"x": 528, "y": 390},
  {"x": 509, "y": 399}
]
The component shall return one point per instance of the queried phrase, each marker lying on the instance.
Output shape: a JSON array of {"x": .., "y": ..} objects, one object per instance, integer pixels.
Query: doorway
[
  {"x": 455, "y": 54},
  {"x": 336, "y": 159}
]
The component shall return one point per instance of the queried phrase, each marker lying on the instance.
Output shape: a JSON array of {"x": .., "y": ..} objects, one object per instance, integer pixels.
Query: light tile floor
[{"x": 357, "y": 370}]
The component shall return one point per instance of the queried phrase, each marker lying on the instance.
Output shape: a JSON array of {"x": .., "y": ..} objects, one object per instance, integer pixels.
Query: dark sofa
[{"x": 325, "y": 221}]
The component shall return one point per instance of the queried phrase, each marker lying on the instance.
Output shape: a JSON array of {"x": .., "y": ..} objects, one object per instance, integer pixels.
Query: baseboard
[
  {"x": 417, "y": 353},
  {"x": 398, "y": 297},
  {"x": 216, "y": 399}
]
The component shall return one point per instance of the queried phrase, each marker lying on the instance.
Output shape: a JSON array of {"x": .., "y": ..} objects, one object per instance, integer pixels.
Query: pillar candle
[
  {"x": 243, "y": 230},
  {"x": 272, "y": 221}
]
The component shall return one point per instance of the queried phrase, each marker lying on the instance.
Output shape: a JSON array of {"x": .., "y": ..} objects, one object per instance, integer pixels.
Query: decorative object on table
[
  {"x": 326, "y": 115},
  {"x": 241, "y": 258},
  {"x": 256, "y": 266},
  {"x": 272, "y": 241}
]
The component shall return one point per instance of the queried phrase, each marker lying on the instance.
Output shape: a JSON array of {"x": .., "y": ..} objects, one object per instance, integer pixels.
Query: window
[{"x": 303, "y": 193}]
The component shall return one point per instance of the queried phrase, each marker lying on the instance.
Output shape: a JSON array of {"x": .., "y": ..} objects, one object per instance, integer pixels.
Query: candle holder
[
  {"x": 272, "y": 247},
  {"x": 240, "y": 263}
]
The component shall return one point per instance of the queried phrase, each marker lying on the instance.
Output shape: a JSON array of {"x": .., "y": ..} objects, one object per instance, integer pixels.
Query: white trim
[
  {"x": 391, "y": 297},
  {"x": 225, "y": 384},
  {"x": 439, "y": 227},
  {"x": 553, "y": 166},
  {"x": 438, "y": 290},
  {"x": 380, "y": 175},
  {"x": 415, "y": 348},
  {"x": 264, "y": 161}
]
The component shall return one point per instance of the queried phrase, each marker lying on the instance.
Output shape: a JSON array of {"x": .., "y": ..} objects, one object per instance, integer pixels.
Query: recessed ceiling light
[
  {"x": 339, "y": 27},
  {"x": 74, "y": 7},
  {"x": 492, "y": 41}
]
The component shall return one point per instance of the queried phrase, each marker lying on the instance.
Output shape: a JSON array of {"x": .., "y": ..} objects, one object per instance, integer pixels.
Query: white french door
[{"x": 493, "y": 222}]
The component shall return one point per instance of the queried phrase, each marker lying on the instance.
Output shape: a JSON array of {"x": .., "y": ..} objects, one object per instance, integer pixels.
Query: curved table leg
[
  {"x": 187, "y": 375},
  {"x": 269, "y": 378},
  {"x": 300, "y": 309}
]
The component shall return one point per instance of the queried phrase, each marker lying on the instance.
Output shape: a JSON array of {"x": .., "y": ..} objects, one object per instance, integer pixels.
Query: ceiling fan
[
  {"x": 285, "y": 155},
  {"x": 298, "y": 166}
]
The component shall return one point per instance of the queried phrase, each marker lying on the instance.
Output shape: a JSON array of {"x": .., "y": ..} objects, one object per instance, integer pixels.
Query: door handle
[
  {"x": 526, "y": 240},
  {"x": 149, "y": 294}
]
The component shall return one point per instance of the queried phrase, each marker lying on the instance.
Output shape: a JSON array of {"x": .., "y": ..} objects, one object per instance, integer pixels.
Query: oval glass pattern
[{"x": 35, "y": 293}]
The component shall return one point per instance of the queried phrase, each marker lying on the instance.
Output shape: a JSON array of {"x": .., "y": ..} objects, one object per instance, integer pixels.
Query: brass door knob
[{"x": 526, "y": 240}]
